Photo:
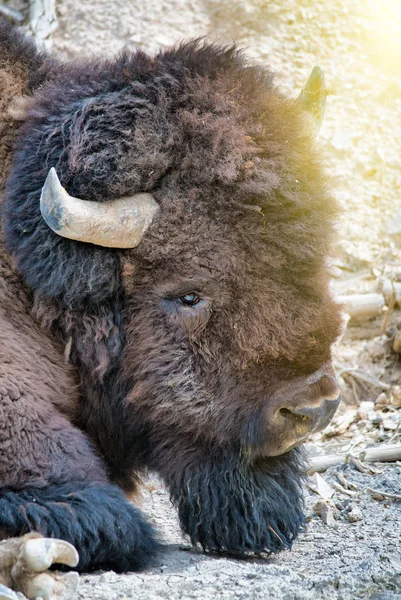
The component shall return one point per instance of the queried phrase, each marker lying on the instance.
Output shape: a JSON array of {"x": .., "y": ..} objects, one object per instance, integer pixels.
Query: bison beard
[
  {"x": 238, "y": 508},
  {"x": 107, "y": 367}
]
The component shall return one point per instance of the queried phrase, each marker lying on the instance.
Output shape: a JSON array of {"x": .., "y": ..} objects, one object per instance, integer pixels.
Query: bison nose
[
  {"x": 313, "y": 406},
  {"x": 298, "y": 409},
  {"x": 310, "y": 418},
  {"x": 325, "y": 386}
]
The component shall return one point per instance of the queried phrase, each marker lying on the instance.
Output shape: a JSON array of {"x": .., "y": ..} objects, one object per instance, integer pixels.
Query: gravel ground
[
  {"x": 355, "y": 556},
  {"x": 354, "y": 551}
]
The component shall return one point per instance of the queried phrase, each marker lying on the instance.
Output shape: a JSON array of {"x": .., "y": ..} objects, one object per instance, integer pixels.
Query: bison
[{"x": 164, "y": 304}]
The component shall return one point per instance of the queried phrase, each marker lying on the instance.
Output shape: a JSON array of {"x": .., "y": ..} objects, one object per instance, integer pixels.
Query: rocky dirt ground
[
  {"x": 351, "y": 548},
  {"x": 356, "y": 555}
]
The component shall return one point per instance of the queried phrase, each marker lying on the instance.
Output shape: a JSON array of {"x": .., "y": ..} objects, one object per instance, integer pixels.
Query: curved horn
[
  {"x": 313, "y": 97},
  {"x": 115, "y": 224}
]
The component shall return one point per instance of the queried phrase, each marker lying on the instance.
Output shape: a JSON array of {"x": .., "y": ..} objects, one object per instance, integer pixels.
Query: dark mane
[{"x": 196, "y": 113}]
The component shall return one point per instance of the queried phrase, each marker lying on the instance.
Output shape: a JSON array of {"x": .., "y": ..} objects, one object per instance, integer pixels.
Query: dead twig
[
  {"x": 362, "y": 376},
  {"x": 319, "y": 464},
  {"x": 11, "y": 13},
  {"x": 389, "y": 311},
  {"x": 343, "y": 490},
  {"x": 379, "y": 495},
  {"x": 357, "y": 464},
  {"x": 42, "y": 20},
  {"x": 363, "y": 305},
  {"x": 389, "y": 289},
  {"x": 275, "y": 533},
  {"x": 344, "y": 482},
  {"x": 355, "y": 391}
]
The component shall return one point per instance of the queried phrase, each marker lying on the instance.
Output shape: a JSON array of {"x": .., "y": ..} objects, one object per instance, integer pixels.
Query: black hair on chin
[{"x": 242, "y": 508}]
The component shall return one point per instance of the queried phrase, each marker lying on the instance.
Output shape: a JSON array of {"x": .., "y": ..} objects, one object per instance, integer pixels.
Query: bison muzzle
[{"x": 164, "y": 303}]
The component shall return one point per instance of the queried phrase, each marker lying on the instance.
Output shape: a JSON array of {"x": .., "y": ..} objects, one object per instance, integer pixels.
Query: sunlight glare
[{"x": 384, "y": 37}]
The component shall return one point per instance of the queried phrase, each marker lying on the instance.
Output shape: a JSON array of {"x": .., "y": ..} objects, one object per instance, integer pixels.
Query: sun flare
[{"x": 384, "y": 35}]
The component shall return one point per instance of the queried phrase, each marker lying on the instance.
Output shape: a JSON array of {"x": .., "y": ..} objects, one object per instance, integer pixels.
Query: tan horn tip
[
  {"x": 51, "y": 210},
  {"x": 119, "y": 223}
]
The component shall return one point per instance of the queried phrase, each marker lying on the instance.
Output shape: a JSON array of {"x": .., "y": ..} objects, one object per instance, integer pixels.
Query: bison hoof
[
  {"x": 51, "y": 586},
  {"x": 28, "y": 572}
]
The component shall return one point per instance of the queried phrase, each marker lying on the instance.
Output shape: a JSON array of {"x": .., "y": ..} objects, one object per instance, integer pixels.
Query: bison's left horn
[
  {"x": 313, "y": 98},
  {"x": 115, "y": 224}
]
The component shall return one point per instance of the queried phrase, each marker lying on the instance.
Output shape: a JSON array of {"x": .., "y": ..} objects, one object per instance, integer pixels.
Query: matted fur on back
[{"x": 22, "y": 69}]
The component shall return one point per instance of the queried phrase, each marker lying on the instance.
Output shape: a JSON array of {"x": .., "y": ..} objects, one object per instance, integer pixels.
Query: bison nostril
[{"x": 286, "y": 413}]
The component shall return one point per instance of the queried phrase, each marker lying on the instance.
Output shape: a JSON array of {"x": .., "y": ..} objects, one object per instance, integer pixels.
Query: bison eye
[{"x": 190, "y": 299}]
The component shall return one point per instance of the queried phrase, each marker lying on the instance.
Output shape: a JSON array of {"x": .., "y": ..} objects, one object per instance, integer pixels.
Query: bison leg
[
  {"x": 51, "y": 480},
  {"x": 107, "y": 531},
  {"x": 24, "y": 564}
]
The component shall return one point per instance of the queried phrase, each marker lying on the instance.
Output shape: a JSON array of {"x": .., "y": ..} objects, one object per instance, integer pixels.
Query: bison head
[{"x": 186, "y": 268}]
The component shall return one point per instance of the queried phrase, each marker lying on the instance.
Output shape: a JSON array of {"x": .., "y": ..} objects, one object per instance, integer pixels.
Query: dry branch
[
  {"x": 363, "y": 376},
  {"x": 42, "y": 20},
  {"x": 363, "y": 305},
  {"x": 11, "y": 13},
  {"x": 318, "y": 464},
  {"x": 350, "y": 285},
  {"x": 390, "y": 288},
  {"x": 379, "y": 495},
  {"x": 370, "y": 304}
]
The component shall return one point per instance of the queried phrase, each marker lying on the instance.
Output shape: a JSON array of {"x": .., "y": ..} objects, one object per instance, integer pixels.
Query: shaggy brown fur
[
  {"x": 21, "y": 71},
  {"x": 100, "y": 344}
]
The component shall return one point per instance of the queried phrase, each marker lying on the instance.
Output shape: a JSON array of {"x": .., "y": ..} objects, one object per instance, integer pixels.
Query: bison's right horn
[
  {"x": 115, "y": 224},
  {"x": 313, "y": 98}
]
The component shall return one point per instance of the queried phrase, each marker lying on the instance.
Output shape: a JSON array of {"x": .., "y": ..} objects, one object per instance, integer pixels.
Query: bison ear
[{"x": 312, "y": 99}]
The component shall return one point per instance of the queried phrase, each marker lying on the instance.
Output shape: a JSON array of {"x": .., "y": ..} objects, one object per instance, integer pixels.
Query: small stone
[
  {"x": 364, "y": 411},
  {"x": 318, "y": 485},
  {"x": 397, "y": 342},
  {"x": 325, "y": 512},
  {"x": 108, "y": 577},
  {"x": 392, "y": 423},
  {"x": 396, "y": 396},
  {"x": 381, "y": 401},
  {"x": 394, "y": 224},
  {"x": 355, "y": 515}
]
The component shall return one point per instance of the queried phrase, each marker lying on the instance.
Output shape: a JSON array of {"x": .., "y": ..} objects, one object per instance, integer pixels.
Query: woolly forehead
[
  {"x": 117, "y": 138},
  {"x": 187, "y": 238},
  {"x": 240, "y": 189},
  {"x": 204, "y": 155},
  {"x": 121, "y": 143},
  {"x": 221, "y": 190},
  {"x": 204, "y": 140}
]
